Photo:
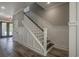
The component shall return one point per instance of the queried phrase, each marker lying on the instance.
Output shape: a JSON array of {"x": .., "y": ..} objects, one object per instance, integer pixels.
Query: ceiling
[
  {"x": 10, "y": 8},
  {"x": 45, "y": 5},
  {"x": 56, "y": 13}
]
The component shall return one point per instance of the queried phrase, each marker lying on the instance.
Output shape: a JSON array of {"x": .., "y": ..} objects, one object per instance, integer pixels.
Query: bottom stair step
[{"x": 49, "y": 46}]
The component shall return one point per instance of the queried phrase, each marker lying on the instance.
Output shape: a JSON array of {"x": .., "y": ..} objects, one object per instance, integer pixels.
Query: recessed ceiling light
[
  {"x": 2, "y": 7},
  {"x": 48, "y": 2}
]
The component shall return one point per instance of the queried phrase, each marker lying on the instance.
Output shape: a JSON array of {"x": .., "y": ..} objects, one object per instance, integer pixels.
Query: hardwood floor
[
  {"x": 58, "y": 53},
  {"x": 10, "y": 48}
]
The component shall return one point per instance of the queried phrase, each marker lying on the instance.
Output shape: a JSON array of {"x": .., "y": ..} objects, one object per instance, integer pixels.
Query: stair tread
[
  {"x": 49, "y": 45},
  {"x": 48, "y": 41}
]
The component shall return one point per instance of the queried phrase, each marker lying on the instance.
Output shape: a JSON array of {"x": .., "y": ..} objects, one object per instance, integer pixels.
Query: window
[
  {"x": 10, "y": 29},
  {"x": 7, "y": 29},
  {"x": 4, "y": 27}
]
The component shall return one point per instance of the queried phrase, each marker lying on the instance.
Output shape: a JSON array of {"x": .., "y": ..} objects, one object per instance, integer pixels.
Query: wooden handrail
[{"x": 33, "y": 22}]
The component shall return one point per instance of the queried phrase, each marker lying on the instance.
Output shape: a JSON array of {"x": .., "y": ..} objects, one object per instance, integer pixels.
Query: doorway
[{"x": 7, "y": 29}]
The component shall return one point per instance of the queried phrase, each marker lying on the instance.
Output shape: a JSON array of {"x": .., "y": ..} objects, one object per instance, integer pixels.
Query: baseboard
[{"x": 66, "y": 50}]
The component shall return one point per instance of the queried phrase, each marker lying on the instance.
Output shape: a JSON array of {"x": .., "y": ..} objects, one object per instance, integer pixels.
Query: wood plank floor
[{"x": 10, "y": 48}]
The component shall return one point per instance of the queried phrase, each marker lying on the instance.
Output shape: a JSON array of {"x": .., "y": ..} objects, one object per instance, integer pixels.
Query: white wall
[
  {"x": 59, "y": 35},
  {"x": 56, "y": 20}
]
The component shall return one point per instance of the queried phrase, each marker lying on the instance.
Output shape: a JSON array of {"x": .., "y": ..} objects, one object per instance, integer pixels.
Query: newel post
[{"x": 45, "y": 41}]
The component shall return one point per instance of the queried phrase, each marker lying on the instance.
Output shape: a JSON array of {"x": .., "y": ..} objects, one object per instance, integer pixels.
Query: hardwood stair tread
[{"x": 49, "y": 45}]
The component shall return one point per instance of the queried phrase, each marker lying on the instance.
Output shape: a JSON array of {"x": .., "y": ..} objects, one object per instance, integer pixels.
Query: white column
[{"x": 72, "y": 29}]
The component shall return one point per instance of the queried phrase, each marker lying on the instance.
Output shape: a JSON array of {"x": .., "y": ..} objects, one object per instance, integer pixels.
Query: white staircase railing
[
  {"x": 34, "y": 17},
  {"x": 26, "y": 27},
  {"x": 40, "y": 35}
]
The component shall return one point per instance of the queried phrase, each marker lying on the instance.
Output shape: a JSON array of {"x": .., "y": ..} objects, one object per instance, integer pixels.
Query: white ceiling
[
  {"x": 45, "y": 5},
  {"x": 11, "y": 8}
]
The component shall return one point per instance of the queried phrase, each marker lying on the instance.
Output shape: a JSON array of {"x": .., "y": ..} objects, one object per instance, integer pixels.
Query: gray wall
[{"x": 56, "y": 20}]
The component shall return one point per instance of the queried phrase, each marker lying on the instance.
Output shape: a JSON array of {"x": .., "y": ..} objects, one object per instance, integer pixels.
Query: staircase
[{"x": 39, "y": 32}]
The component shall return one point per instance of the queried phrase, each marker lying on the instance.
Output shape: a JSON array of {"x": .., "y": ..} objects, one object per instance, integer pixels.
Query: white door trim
[{"x": 72, "y": 29}]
